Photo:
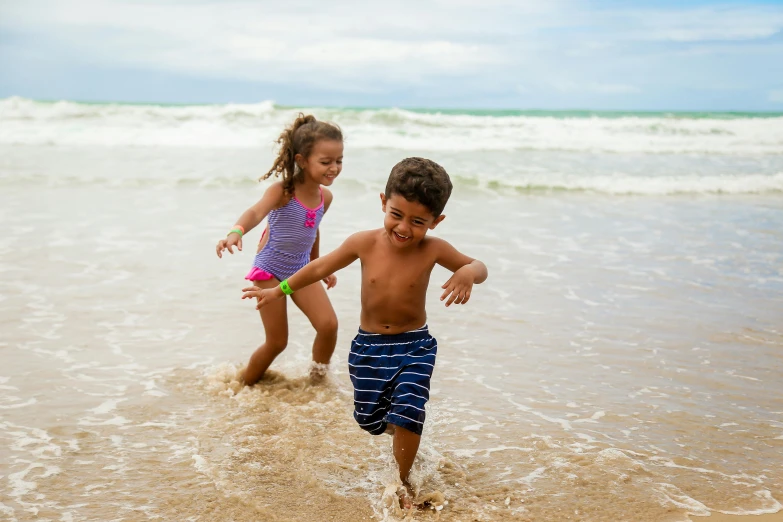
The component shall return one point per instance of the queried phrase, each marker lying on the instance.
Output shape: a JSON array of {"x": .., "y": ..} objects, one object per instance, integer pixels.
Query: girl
[{"x": 311, "y": 155}]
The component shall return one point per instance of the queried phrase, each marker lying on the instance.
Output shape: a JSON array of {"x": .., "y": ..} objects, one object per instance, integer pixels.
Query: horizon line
[{"x": 407, "y": 108}]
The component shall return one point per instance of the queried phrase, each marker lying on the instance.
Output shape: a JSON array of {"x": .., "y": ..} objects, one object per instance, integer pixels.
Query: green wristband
[
  {"x": 286, "y": 288},
  {"x": 235, "y": 230}
]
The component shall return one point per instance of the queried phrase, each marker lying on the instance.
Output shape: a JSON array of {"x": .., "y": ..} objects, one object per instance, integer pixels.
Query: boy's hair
[
  {"x": 299, "y": 138},
  {"x": 420, "y": 180}
]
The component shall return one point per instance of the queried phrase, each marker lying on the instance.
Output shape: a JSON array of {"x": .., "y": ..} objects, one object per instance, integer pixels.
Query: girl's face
[{"x": 324, "y": 163}]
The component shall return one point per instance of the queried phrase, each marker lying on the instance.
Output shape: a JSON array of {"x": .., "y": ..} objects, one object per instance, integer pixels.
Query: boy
[{"x": 393, "y": 356}]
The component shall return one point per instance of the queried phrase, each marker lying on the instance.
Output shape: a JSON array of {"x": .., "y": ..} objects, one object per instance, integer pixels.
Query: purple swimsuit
[{"x": 292, "y": 230}]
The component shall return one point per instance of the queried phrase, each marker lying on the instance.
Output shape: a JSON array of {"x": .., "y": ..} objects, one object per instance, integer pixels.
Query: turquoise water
[
  {"x": 492, "y": 113},
  {"x": 584, "y": 113}
]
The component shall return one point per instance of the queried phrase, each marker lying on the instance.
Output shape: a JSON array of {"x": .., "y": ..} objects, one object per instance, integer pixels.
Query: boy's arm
[
  {"x": 339, "y": 258},
  {"x": 467, "y": 272},
  {"x": 335, "y": 260}
]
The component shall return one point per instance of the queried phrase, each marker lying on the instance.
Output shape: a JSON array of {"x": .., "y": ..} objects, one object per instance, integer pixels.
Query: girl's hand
[
  {"x": 330, "y": 281},
  {"x": 458, "y": 286},
  {"x": 232, "y": 240},
  {"x": 264, "y": 295}
]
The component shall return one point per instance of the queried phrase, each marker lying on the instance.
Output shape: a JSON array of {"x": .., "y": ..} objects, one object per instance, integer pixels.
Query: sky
[{"x": 483, "y": 54}]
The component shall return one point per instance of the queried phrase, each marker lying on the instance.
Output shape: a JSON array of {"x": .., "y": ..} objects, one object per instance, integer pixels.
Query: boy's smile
[{"x": 407, "y": 222}]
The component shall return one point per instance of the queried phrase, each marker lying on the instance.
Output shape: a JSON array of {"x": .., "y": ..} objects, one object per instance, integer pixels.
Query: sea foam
[{"x": 252, "y": 125}]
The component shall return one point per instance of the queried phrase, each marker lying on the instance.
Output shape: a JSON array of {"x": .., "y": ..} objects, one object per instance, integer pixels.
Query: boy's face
[{"x": 407, "y": 222}]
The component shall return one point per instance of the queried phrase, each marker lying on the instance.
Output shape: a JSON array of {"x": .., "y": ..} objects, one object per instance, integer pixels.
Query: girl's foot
[{"x": 318, "y": 372}]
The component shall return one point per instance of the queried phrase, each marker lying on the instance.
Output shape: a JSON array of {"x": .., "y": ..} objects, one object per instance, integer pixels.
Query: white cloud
[
  {"x": 258, "y": 41},
  {"x": 491, "y": 46},
  {"x": 593, "y": 87},
  {"x": 700, "y": 24},
  {"x": 614, "y": 88},
  {"x": 775, "y": 96}
]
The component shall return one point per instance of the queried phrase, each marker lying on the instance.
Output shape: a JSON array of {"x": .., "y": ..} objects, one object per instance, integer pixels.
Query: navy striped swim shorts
[{"x": 391, "y": 378}]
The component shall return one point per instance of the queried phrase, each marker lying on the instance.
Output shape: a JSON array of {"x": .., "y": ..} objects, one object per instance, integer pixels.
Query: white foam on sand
[
  {"x": 769, "y": 505},
  {"x": 106, "y": 406},
  {"x": 668, "y": 494}
]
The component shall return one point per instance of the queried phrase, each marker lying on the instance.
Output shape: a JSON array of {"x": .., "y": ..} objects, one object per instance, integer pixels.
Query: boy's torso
[{"x": 394, "y": 284}]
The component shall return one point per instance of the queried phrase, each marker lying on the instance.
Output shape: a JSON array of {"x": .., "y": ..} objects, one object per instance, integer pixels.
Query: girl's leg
[
  {"x": 314, "y": 303},
  {"x": 405, "y": 446},
  {"x": 275, "y": 322}
]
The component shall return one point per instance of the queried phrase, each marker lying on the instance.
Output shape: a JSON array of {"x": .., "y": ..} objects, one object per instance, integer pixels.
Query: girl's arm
[
  {"x": 467, "y": 272},
  {"x": 251, "y": 217},
  {"x": 338, "y": 259},
  {"x": 328, "y": 197},
  {"x": 316, "y": 245},
  {"x": 331, "y": 279}
]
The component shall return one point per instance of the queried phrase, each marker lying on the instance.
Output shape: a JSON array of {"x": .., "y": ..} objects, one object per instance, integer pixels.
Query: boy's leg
[
  {"x": 275, "y": 322},
  {"x": 405, "y": 446},
  {"x": 314, "y": 303}
]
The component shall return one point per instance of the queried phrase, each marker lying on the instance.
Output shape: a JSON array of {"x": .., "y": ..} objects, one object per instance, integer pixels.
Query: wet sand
[{"x": 618, "y": 365}]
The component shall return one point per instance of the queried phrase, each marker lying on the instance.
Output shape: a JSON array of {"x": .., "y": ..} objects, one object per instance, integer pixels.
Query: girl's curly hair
[{"x": 299, "y": 138}]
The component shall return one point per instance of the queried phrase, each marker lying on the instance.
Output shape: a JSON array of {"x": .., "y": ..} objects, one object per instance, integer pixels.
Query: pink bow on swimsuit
[{"x": 310, "y": 223}]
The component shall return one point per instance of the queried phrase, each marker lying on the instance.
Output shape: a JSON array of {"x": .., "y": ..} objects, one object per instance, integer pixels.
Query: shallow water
[{"x": 623, "y": 361}]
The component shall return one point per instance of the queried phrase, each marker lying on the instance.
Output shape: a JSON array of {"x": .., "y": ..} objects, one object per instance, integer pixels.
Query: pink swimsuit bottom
[{"x": 258, "y": 274}]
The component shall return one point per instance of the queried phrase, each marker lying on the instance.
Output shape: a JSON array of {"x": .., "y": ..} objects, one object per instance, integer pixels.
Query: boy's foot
[
  {"x": 434, "y": 500},
  {"x": 405, "y": 495}
]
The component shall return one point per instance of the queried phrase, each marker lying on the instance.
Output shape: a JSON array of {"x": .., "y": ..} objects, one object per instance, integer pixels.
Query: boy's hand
[
  {"x": 232, "y": 240},
  {"x": 330, "y": 281},
  {"x": 264, "y": 295},
  {"x": 459, "y": 286}
]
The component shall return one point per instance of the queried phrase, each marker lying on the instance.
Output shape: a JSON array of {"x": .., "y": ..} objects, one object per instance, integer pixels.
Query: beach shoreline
[{"x": 617, "y": 365}]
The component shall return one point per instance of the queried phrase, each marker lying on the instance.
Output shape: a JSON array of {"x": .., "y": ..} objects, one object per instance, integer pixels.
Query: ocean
[{"x": 622, "y": 362}]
